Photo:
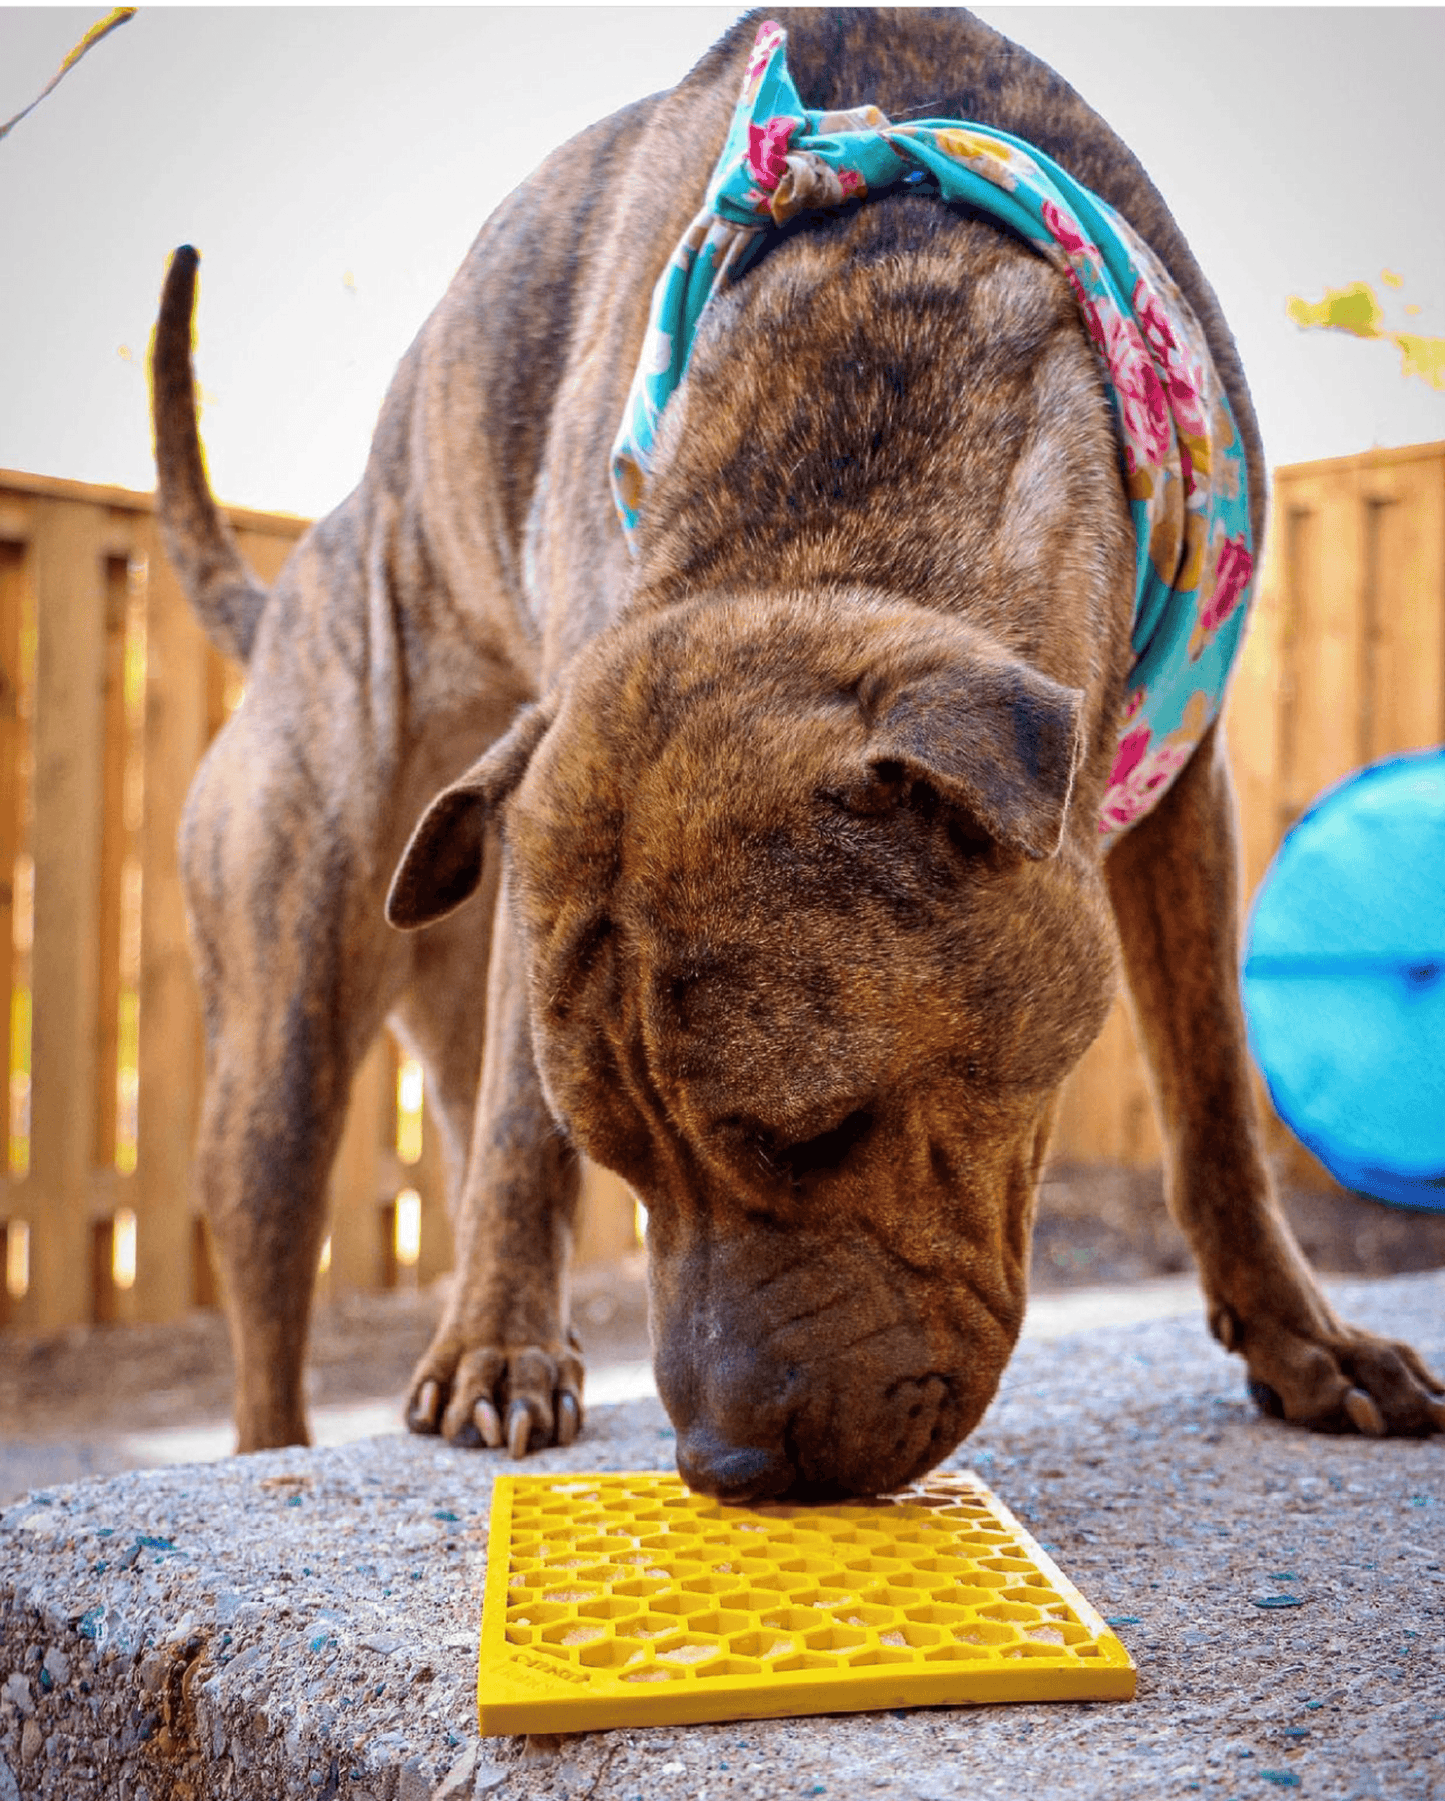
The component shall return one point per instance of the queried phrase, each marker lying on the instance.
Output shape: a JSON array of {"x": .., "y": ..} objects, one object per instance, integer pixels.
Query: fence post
[
  {"x": 68, "y": 569},
  {"x": 1405, "y": 582},
  {"x": 606, "y": 1216},
  {"x": 13, "y": 744},
  {"x": 355, "y": 1205},
  {"x": 169, "y": 1063}
]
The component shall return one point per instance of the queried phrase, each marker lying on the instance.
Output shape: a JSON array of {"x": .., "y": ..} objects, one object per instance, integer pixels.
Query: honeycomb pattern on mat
[{"x": 628, "y": 1600}]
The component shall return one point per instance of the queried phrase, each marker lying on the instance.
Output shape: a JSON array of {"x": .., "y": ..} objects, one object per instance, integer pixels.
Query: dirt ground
[{"x": 1095, "y": 1227}]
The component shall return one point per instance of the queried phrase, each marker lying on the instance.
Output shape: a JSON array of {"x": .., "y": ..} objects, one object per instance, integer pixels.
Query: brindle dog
[{"x": 784, "y": 831}]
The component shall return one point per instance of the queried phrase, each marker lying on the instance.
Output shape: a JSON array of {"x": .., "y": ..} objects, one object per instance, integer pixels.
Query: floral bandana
[{"x": 1183, "y": 460}]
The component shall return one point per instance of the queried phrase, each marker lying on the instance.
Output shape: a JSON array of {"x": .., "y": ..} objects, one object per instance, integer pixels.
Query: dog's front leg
[
  {"x": 503, "y": 1364},
  {"x": 1174, "y": 884}
]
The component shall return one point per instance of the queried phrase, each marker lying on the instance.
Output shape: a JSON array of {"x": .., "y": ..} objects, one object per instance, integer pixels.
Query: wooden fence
[
  {"x": 109, "y": 694},
  {"x": 1344, "y": 663}
]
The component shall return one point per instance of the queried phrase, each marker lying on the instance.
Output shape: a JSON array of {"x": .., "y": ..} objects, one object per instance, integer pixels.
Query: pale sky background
[{"x": 333, "y": 165}]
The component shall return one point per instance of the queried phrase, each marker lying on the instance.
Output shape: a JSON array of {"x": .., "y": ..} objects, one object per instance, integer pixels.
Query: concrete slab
[
  {"x": 304, "y": 1623},
  {"x": 26, "y": 1465}
]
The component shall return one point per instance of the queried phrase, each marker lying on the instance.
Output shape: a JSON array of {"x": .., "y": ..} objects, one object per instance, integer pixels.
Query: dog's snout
[
  {"x": 711, "y": 1464},
  {"x": 781, "y": 1383}
]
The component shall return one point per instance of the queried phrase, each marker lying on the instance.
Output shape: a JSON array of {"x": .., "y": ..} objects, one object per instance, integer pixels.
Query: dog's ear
[
  {"x": 996, "y": 739},
  {"x": 442, "y": 865}
]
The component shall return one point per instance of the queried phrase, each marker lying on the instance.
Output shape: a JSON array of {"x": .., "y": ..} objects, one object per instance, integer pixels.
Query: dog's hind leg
[
  {"x": 1174, "y": 883},
  {"x": 296, "y": 966}
]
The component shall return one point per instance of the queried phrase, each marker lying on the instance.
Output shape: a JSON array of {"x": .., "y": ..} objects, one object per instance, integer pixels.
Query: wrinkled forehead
[{"x": 670, "y": 802}]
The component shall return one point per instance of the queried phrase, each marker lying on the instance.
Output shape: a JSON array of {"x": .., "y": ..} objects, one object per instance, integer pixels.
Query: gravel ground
[{"x": 303, "y": 1623}]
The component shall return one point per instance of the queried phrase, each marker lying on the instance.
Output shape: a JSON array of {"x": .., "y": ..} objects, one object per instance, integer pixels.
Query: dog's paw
[
  {"x": 523, "y": 1396},
  {"x": 1334, "y": 1380}
]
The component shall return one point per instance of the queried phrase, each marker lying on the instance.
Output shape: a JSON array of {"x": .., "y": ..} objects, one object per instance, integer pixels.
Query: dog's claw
[
  {"x": 1341, "y": 1379},
  {"x": 489, "y": 1424},
  {"x": 422, "y": 1415},
  {"x": 1365, "y": 1416},
  {"x": 498, "y": 1395},
  {"x": 1225, "y": 1327}
]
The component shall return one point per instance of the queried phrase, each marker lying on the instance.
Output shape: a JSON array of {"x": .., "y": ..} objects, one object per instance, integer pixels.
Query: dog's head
[{"x": 812, "y": 940}]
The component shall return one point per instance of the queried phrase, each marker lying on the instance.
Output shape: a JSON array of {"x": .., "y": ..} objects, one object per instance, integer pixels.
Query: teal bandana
[{"x": 1183, "y": 460}]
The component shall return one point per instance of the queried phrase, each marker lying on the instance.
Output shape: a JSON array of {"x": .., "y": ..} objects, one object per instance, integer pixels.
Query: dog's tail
[{"x": 227, "y": 597}]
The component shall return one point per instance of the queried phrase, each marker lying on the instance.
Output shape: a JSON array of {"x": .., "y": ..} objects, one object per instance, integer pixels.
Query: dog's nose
[{"x": 730, "y": 1472}]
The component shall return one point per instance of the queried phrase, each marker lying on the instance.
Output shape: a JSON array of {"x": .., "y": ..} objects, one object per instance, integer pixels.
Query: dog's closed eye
[
  {"x": 804, "y": 1158},
  {"x": 880, "y": 788},
  {"x": 886, "y": 789},
  {"x": 828, "y": 1151}
]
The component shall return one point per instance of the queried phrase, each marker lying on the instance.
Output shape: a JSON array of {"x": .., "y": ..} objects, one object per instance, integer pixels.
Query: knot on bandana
[
  {"x": 1182, "y": 458},
  {"x": 804, "y": 180}
]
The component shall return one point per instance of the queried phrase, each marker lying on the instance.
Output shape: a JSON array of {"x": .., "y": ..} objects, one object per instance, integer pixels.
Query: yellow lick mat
[{"x": 627, "y": 1600}]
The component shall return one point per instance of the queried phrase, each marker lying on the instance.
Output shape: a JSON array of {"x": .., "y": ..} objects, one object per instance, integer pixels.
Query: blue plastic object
[{"x": 1344, "y": 980}]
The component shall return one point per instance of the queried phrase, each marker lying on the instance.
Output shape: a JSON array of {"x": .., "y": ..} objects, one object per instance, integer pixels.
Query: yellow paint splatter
[
  {"x": 1353, "y": 309},
  {"x": 1424, "y": 357},
  {"x": 1391, "y": 280},
  {"x": 1356, "y": 309}
]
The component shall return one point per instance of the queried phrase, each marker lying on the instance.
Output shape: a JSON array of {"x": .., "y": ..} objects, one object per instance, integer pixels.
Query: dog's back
[{"x": 491, "y": 451}]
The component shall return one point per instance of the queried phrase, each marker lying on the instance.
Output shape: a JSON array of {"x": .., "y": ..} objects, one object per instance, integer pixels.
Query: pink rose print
[
  {"x": 768, "y": 150},
  {"x": 770, "y": 35},
  {"x": 1154, "y": 321},
  {"x": 1139, "y": 779},
  {"x": 1062, "y": 228},
  {"x": 852, "y": 184},
  {"x": 1089, "y": 307},
  {"x": 1129, "y": 756},
  {"x": 1181, "y": 382},
  {"x": 1231, "y": 578},
  {"x": 1144, "y": 411}
]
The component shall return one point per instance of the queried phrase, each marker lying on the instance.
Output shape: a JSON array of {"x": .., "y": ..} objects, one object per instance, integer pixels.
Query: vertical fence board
[
  {"x": 69, "y": 578},
  {"x": 428, "y": 1177},
  {"x": 1251, "y": 721},
  {"x": 356, "y": 1260},
  {"x": 112, "y": 853},
  {"x": 169, "y": 1060},
  {"x": 15, "y": 1308},
  {"x": 1141, "y": 1146},
  {"x": 12, "y": 750},
  {"x": 1324, "y": 589},
  {"x": 222, "y": 677},
  {"x": 606, "y": 1216},
  {"x": 1255, "y": 718},
  {"x": 1088, "y": 1123},
  {"x": 1408, "y": 704}
]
